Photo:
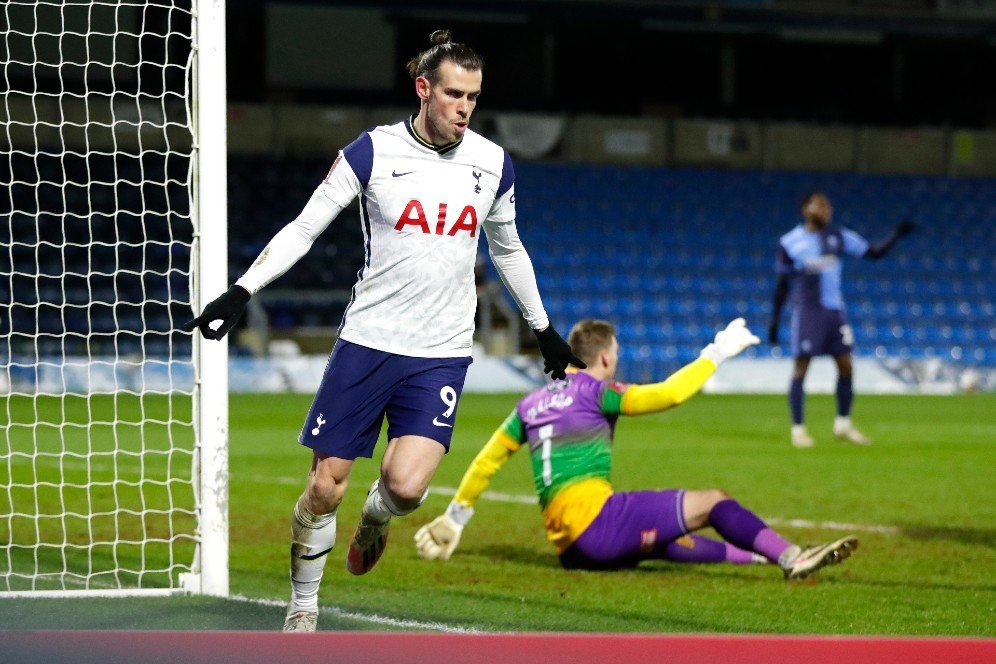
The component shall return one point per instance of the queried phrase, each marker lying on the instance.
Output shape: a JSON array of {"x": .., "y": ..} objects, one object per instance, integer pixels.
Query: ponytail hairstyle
[{"x": 427, "y": 62}]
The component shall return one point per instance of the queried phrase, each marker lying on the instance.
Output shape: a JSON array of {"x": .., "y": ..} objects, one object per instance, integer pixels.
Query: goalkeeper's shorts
[
  {"x": 632, "y": 526},
  {"x": 419, "y": 396}
]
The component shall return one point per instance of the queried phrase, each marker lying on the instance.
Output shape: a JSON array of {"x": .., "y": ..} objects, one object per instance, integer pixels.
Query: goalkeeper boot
[
  {"x": 845, "y": 430},
  {"x": 798, "y": 563},
  {"x": 800, "y": 436},
  {"x": 301, "y": 621}
]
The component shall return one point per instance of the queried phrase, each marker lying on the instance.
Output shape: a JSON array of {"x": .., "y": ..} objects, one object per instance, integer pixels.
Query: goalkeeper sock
[
  {"x": 312, "y": 538},
  {"x": 744, "y": 529},
  {"x": 845, "y": 395},
  {"x": 698, "y": 549},
  {"x": 796, "y": 400}
]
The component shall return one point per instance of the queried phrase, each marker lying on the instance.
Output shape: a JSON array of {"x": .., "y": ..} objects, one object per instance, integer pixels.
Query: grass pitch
[{"x": 923, "y": 493}]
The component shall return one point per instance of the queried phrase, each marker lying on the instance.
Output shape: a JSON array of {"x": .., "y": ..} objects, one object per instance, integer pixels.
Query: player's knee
[
  {"x": 324, "y": 493},
  {"x": 715, "y": 496},
  {"x": 406, "y": 493}
]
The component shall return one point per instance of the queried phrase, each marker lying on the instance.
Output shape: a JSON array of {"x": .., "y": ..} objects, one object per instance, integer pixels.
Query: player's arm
[
  {"x": 516, "y": 272},
  {"x": 784, "y": 269},
  {"x": 348, "y": 176},
  {"x": 684, "y": 383},
  {"x": 856, "y": 245},
  {"x": 439, "y": 538}
]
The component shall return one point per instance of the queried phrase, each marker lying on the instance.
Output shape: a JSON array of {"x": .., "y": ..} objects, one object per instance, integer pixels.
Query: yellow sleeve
[
  {"x": 678, "y": 388},
  {"x": 504, "y": 442}
]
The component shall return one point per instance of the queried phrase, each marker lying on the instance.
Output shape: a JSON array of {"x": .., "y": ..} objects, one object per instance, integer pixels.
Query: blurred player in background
[
  {"x": 405, "y": 341},
  {"x": 568, "y": 427},
  {"x": 809, "y": 257}
]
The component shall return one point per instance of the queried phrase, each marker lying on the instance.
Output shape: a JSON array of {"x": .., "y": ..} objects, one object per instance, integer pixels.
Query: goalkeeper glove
[
  {"x": 439, "y": 538},
  {"x": 556, "y": 353},
  {"x": 227, "y": 307},
  {"x": 729, "y": 342}
]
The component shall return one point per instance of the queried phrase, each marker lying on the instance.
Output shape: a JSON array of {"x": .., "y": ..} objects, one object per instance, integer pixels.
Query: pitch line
[
  {"x": 367, "y": 617},
  {"x": 499, "y": 497}
]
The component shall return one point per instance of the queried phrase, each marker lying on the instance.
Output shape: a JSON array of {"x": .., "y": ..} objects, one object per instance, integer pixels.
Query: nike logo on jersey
[
  {"x": 395, "y": 174},
  {"x": 436, "y": 421}
]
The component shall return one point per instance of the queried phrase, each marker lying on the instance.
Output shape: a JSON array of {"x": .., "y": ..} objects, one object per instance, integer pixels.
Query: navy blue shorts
[
  {"x": 419, "y": 395},
  {"x": 819, "y": 331}
]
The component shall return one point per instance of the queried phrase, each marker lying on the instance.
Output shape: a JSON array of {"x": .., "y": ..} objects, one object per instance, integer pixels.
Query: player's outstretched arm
[
  {"x": 227, "y": 308},
  {"x": 687, "y": 381},
  {"x": 340, "y": 187},
  {"x": 881, "y": 248},
  {"x": 439, "y": 538}
]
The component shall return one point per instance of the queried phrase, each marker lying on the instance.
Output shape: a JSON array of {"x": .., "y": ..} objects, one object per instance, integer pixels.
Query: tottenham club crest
[{"x": 477, "y": 177}]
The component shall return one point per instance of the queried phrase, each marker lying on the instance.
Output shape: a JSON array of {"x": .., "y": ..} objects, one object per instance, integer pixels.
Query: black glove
[
  {"x": 773, "y": 333},
  {"x": 905, "y": 227},
  {"x": 556, "y": 353},
  {"x": 228, "y": 307}
]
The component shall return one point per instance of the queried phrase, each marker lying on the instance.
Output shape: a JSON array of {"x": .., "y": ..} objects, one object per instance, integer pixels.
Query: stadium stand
[{"x": 669, "y": 254}]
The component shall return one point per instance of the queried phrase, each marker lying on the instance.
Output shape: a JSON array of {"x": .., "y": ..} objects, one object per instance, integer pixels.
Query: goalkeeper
[{"x": 568, "y": 427}]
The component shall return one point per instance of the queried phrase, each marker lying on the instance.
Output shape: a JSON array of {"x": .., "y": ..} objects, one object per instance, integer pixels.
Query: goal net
[{"x": 104, "y": 450}]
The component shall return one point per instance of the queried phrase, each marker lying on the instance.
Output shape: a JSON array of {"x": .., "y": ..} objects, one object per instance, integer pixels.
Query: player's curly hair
[
  {"x": 427, "y": 62},
  {"x": 590, "y": 337}
]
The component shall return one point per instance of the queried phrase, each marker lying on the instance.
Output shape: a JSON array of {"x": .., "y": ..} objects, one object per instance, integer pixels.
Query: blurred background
[{"x": 661, "y": 150}]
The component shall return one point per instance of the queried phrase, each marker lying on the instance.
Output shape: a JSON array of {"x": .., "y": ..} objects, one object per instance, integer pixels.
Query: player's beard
[{"x": 444, "y": 128}]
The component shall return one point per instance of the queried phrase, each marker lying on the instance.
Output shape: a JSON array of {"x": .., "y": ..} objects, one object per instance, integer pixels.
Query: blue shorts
[
  {"x": 632, "y": 526},
  {"x": 819, "y": 331},
  {"x": 419, "y": 395}
]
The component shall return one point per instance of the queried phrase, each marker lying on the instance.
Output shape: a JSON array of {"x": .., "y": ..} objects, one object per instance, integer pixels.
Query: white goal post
[{"x": 113, "y": 232}]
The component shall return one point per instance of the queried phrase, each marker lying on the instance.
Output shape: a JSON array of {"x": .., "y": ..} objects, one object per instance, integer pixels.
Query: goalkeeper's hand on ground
[
  {"x": 228, "y": 308},
  {"x": 557, "y": 353},
  {"x": 730, "y": 342},
  {"x": 439, "y": 538}
]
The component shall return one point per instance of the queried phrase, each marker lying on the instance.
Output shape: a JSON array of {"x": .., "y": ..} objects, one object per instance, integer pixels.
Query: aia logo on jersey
[{"x": 414, "y": 215}]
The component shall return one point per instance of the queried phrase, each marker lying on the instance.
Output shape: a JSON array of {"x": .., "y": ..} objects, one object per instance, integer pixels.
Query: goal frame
[
  {"x": 208, "y": 273},
  {"x": 209, "y": 270}
]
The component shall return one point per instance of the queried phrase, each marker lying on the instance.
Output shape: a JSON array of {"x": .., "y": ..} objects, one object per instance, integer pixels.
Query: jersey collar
[{"x": 441, "y": 149}]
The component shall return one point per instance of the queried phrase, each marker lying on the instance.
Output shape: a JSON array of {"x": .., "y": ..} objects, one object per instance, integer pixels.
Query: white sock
[
  {"x": 841, "y": 423},
  {"x": 798, "y": 429},
  {"x": 312, "y": 537},
  {"x": 379, "y": 507}
]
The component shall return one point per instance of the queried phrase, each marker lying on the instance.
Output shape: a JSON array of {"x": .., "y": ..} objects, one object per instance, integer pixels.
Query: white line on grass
[
  {"x": 368, "y": 617},
  {"x": 499, "y": 497}
]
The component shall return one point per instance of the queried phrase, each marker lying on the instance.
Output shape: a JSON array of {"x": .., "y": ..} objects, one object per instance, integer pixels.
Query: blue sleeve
[
  {"x": 507, "y": 176},
  {"x": 360, "y": 155},
  {"x": 854, "y": 244}
]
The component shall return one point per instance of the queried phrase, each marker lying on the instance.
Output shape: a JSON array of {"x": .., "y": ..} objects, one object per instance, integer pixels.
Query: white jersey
[{"x": 422, "y": 209}]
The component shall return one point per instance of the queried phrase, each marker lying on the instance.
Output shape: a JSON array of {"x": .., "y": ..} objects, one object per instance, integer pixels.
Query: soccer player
[
  {"x": 568, "y": 427},
  {"x": 809, "y": 257},
  {"x": 426, "y": 185}
]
